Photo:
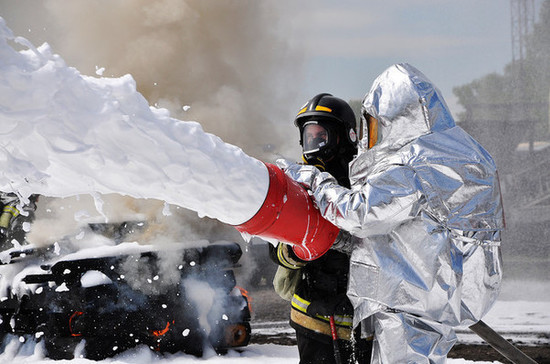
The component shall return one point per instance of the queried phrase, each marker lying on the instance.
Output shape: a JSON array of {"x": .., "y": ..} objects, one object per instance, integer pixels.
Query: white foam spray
[{"x": 67, "y": 134}]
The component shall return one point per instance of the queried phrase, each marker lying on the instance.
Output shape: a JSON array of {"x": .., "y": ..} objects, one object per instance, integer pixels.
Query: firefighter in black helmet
[
  {"x": 328, "y": 135},
  {"x": 328, "y": 138}
]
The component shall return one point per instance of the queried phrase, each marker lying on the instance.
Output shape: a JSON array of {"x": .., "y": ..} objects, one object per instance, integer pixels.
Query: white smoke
[{"x": 59, "y": 217}]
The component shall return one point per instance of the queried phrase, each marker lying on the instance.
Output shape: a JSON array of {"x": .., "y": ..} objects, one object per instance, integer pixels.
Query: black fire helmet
[{"x": 338, "y": 119}]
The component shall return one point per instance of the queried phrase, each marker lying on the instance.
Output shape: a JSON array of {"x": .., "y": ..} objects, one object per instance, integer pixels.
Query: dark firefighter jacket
[{"x": 320, "y": 293}]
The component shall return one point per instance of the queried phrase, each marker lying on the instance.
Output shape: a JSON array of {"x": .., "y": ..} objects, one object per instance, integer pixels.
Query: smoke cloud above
[{"x": 229, "y": 61}]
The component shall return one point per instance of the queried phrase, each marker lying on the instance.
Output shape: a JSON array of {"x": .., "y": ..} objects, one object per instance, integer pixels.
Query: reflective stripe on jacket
[{"x": 319, "y": 323}]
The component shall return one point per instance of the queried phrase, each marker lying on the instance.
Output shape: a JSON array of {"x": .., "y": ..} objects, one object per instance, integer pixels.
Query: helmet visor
[
  {"x": 314, "y": 137},
  {"x": 372, "y": 125}
]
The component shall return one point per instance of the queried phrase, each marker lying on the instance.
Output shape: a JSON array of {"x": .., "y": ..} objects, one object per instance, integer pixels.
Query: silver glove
[{"x": 303, "y": 174}]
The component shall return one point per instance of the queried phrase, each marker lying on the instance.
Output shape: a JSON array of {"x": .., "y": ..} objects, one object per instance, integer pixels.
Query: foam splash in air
[{"x": 64, "y": 134}]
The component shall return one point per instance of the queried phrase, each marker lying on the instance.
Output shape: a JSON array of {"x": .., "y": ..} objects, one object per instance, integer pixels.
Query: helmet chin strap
[{"x": 316, "y": 162}]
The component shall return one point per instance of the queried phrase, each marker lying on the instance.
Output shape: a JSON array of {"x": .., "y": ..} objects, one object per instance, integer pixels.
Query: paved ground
[{"x": 270, "y": 325}]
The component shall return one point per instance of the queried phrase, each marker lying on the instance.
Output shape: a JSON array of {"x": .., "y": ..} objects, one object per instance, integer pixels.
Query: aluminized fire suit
[{"x": 426, "y": 217}]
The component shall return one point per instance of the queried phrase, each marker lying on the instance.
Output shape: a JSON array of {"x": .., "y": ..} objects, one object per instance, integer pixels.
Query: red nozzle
[{"x": 289, "y": 216}]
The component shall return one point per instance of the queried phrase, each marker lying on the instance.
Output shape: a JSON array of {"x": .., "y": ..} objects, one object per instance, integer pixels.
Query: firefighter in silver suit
[{"x": 425, "y": 216}]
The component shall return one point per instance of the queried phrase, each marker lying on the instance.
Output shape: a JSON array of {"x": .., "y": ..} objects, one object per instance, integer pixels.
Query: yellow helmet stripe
[
  {"x": 317, "y": 108},
  {"x": 322, "y": 108}
]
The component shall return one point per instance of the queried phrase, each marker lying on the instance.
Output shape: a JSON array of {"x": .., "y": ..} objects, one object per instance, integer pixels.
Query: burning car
[{"x": 177, "y": 298}]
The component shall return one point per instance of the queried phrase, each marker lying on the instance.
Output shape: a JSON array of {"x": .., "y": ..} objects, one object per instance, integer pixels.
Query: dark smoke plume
[{"x": 228, "y": 60}]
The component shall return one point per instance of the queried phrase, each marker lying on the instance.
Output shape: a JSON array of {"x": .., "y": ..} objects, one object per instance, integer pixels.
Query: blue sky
[{"x": 348, "y": 43}]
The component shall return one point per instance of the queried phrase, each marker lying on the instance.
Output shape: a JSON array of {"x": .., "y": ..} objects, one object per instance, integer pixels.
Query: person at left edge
[{"x": 14, "y": 215}]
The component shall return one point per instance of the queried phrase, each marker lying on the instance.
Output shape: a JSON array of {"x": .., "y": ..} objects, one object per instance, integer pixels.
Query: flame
[
  {"x": 75, "y": 314},
  {"x": 158, "y": 333},
  {"x": 245, "y": 294}
]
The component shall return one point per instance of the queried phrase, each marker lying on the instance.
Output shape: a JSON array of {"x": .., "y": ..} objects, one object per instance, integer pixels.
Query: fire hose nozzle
[{"x": 289, "y": 215}]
